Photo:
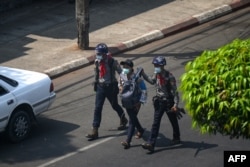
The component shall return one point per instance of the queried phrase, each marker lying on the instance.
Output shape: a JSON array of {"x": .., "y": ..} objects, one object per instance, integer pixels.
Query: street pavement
[{"x": 43, "y": 36}]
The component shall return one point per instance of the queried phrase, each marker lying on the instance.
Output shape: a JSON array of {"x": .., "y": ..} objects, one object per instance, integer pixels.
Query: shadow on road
[
  {"x": 198, "y": 146},
  {"x": 49, "y": 138}
]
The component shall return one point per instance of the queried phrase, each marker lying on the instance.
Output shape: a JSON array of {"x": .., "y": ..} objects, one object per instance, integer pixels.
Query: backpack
[{"x": 131, "y": 92}]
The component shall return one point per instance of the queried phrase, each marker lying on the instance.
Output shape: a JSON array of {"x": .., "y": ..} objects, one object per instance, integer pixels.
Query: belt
[
  {"x": 105, "y": 84},
  {"x": 162, "y": 98}
]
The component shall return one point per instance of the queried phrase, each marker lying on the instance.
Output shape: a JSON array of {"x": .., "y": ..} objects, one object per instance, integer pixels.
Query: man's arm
[
  {"x": 117, "y": 67},
  {"x": 151, "y": 80},
  {"x": 174, "y": 90}
]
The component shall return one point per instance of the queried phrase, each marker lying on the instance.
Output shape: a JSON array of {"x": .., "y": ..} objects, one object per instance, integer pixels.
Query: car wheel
[{"x": 19, "y": 126}]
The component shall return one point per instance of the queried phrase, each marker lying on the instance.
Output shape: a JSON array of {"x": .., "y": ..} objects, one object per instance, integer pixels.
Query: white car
[{"x": 23, "y": 95}]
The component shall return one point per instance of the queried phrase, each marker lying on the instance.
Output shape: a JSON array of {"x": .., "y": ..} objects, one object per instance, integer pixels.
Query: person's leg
[
  {"x": 99, "y": 101},
  {"x": 132, "y": 124},
  {"x": 175, "y": 125},
  {"x": 131, "y": 129},
  {"x": 111, "y": 94},
  {"x": 155, "y": 127},
  {"x": 137, "y": 123}
]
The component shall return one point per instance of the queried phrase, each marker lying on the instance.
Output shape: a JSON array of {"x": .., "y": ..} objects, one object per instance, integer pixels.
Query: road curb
[{"x": 152, "y": 36}]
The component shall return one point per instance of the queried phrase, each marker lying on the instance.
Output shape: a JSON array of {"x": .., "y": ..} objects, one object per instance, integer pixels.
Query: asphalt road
[{"x": 59, "y": 137}]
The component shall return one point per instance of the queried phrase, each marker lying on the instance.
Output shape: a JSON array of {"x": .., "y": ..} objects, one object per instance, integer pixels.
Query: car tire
[{"x": 19, "y": 126}]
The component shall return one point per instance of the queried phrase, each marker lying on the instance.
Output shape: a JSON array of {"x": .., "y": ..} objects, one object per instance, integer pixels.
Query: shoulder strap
[{"x": 137, "y": 74}]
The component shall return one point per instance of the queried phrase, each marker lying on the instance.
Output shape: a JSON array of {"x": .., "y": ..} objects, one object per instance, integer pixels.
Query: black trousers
[
  {"x": 161, "y": 107},
  {"x": 133, "y": 122},
  {"x": 110, "y": 92}
]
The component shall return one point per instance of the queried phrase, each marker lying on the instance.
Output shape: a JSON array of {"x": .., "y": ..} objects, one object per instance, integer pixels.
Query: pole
[{"x": 82, "y": 20}]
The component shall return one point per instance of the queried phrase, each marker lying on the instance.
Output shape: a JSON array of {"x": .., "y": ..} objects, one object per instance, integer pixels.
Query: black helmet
[
  {"x": 159, "y": 60},
  {"x": 101, "y": 48}
]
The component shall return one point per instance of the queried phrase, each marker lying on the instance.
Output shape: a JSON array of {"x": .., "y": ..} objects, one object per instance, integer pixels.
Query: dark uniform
[
  {"x": 106, "y": 86},
  {"x": 166, "y": 98}
]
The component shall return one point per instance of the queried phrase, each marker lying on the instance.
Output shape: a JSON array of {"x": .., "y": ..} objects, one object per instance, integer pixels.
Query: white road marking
[{"x": 77, "y": 151}]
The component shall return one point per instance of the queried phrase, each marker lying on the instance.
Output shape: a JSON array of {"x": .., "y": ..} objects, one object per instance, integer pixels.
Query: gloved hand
[{"x": 178, "y": 112}]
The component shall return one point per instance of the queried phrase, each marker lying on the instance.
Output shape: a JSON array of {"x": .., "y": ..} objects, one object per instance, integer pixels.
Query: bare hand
[{"x": 174, "y": 109}]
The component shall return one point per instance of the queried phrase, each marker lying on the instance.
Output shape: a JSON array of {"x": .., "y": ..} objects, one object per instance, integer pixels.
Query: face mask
[
  {"x": 125, "y": 70},
  {"x": 99, "y": 57},
  {"x": 157, "y": 70}
]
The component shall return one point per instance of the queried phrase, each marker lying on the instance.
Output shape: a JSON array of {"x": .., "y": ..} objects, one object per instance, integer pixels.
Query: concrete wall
[{"x": 6, "y": 5}]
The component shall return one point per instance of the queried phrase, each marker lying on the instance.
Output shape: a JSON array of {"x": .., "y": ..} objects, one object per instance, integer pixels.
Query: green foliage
[{"x": 216, "y": 89}]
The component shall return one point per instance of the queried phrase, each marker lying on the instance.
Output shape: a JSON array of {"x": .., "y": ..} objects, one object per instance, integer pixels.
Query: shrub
[{"x": 216, "y": 90}]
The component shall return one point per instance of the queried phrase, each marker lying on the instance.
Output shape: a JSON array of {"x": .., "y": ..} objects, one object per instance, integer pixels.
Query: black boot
[
  {"x": 148, "y": 146},
  {"x": 94, "y": 134},
  {"x": 125, "y": 144}
]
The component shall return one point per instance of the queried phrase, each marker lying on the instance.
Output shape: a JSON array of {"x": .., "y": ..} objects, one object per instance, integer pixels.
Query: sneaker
[
  {"x": 148, "y": 147},
  {"x": 123, "y": 124},
  {"x": 125, "y": 144},
  {"x": 175, "y": 141}
]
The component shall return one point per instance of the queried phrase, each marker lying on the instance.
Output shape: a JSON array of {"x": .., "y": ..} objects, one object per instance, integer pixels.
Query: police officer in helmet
[
  {"x": 106, "y": 86},
  {"x": 165, "y": 101}
]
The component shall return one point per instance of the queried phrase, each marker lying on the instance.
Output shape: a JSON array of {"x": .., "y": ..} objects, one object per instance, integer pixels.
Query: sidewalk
[{"x": 48, "y": 43}]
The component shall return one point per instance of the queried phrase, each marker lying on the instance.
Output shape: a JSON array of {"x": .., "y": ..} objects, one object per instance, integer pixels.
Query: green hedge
[{"x": 216, "y": 90}]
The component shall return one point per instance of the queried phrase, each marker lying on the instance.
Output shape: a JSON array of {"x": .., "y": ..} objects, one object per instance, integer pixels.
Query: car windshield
[{"x": 9, "y": 81}]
